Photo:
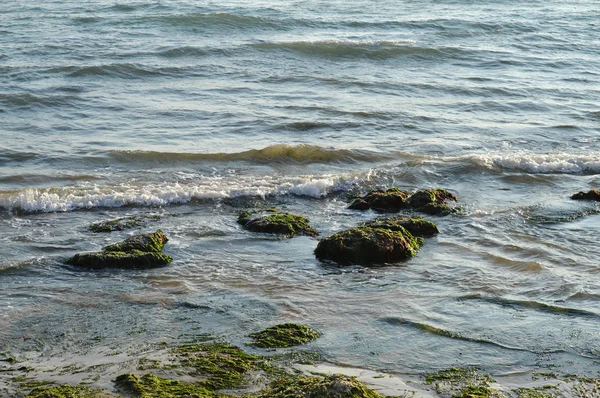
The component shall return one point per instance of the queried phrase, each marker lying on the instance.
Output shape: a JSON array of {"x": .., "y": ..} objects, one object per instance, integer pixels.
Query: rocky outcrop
[{"x": 429, "y": 201}]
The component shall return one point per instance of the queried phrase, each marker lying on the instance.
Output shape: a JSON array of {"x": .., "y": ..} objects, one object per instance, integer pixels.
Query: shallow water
[{"x": 193, "y": 112}]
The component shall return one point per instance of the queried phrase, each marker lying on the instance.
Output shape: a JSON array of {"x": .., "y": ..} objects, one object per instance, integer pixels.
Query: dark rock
[
  {"x": 432, "y": 201},
  {"x": 152, "y": 242},
  {"x": 417, "y": 226},
  {"x": 366, "y": 245},
  {"x": 390, "y": 200},
  {"x": 592, "y": 194},
  {"x": 279, "y": 223},
  {"x": 121, "y": 224},
  {"x": 116, "y": 259}
]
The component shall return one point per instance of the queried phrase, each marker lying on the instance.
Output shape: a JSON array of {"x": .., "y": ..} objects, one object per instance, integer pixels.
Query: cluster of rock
[
  {"x": 138, "y": 251},
  {"x": 428, "y": 201}
]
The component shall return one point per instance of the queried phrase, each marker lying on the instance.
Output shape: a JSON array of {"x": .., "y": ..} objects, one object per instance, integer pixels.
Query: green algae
[
  {"x": 365, "y": 245},
  {"x": 114, "y": 259},
  {"x": 390, "y": 200},
  {"x": 121, "y": 224},
  {"x": 334, "y": 386},
  {"x": 10, "y": 360},
  {"x": 285, "y": 224},
  {"x": 221, "y": 365},
  {"x": 548, "y": 391},
  {"x": 284, "y": 335},
  {"x": 151, "y": 243},
  {"x": 432, "y": 201},
  {"x": 66, "y": 391},
  {"x": 462, "y": 383},
  {"x": 151, "y": 386},
  {"x": 417, "y": 226}
]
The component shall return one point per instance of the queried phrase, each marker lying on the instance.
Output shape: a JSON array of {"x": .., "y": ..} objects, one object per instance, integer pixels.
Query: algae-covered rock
[
  {"x": 366, "y": 245},
  {"x": 151, "y": 386},
  {"x": 134, "y": 259},
  {"x": 432, "y": 201},
  {"x": 592, "y": 194},
  {"x": 462, "y": 383},
  {"x": 279, "y": 223},
  {"x": 390, "y": 200},
  {"x": 120, "y": 224},
  {"x": 334, "y": 386},
  {"x": 152, "y": 242},
  {"x": 284, "y": 335},
  {"x": 417, "y": 226},
  {"x": 66, "y": 391}
]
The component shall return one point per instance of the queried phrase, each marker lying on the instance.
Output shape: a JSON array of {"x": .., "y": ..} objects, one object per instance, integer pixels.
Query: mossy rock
[
  {"x": 432, "y": 201},
  {"x": 390, "y": 200},
  {"x": 334, "y": 386},
  {"x": 151, "y": 386},
  {"x": 220, "y": 365},
  {"x": 66, "y": 391},
  {"x": 592, "y": 194},
  {"x": 366, "y": 245},
  {"x": 120, "y": 224},
  {"x": 417, "y": 226},
  {"x": 151, "y": 243},
  {"x": 134, "y": 259},
  {"x": 279, "y": 223},
  {"x": 284, "y": 335}
]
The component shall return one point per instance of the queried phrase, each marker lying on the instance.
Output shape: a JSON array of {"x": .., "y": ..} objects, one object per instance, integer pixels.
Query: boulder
[
  {"x": 134, "y": 259},
  {"x": 285, "y": 224},
  {"x": 417, "y": 226},
  {"x": 432, "y": 201},
  {"x": 390, "y": 200},
  {"x": 152, "y": 242},
  {"x": 365, "y": 245},
  {"x": 592, "y": 194}
]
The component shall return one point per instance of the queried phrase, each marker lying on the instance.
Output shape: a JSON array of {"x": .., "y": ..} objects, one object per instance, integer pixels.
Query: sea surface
[{"x": 195, "y": 110}]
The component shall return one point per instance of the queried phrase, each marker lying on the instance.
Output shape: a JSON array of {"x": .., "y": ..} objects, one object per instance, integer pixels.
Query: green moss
[
  {"x": 10, "y": 360},
  {"x": 112, "y": 259},
  {"x": 65, "y": 391},
  {"x": 432, "y": 201},
  {"x": 462, "y": 383},
  {"x": 393, "y": 199},
  {"x": 221, "y": 365},
  {"x": 335, "y": 386},
  {"x": 365, "y": 245},
  {"x": 151, "y": 386},
  {"x": 284, "y": 335},
  {"x": 280, "y": 223},
  {"x": 417, "y": 226},
  {"x": 474, "y": 391},
  {"x": 151, "y": 243},
  {"x": 549, "y": 391}
]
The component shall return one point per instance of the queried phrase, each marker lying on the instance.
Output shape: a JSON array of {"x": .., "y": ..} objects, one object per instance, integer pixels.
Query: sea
[{"x": 188, "y": 112}]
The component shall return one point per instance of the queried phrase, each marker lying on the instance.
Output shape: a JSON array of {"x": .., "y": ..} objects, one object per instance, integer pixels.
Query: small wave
[
  {"x": 121, "y": 70},
  {"x": 446, "y": 333},
  {"x": 372, "y": 49},
  {"x": 559, "y": 163},
  {"x": 92, "y": 196},
  {"x": 220, "y": 20},
  {"x": 535, "y": 305},
  {"x": 280, "y": 153},
  {"x": 28, "y": 99}
]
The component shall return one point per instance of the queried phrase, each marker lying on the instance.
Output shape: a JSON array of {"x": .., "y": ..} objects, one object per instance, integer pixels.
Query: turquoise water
[{"x": 194, "y": 111}]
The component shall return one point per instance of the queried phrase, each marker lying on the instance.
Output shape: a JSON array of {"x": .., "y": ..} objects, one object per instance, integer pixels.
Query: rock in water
[
  {"x": 417, "y": 226},
  {"x": 592, "y": 194},
  {"x": 286, "y": 224},
  {"x": 152, "y": 242},
  {"x": 390, "y": 200},
  {"x": 134, "y": 259}
]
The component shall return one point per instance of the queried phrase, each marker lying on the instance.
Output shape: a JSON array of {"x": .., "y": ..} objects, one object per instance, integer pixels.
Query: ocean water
[{"x": 193, "y": 111}]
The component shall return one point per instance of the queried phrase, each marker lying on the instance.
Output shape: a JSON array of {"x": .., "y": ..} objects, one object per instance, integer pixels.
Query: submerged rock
[
  {"x": 334, "y": 386},
  {"x": 390, "y": 200},
  {"x": 112, "y": 259},
  {"x": 120, "y": 224},
  {"x": 417, "y": 226},
  {"x": 592, "y": 194},
  {"x": 430, "y": 201},
  {"x": 366, "y": 245},
  {"x": 284, "y": 335},
  {"x": 152, "y": 242},
  {"x": 138, "y": 251},
  {"x": 279, "y": 223}
]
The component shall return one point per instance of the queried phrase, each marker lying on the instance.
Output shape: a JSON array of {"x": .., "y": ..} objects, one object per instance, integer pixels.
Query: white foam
[{"x": 541, "y": 163}]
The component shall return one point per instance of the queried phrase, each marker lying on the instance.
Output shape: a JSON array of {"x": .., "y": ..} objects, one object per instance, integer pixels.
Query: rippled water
[{"x": 193, "y": 111}]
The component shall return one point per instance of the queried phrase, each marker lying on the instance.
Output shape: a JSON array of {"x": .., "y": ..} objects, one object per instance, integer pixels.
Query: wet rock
[
  {"x": 417, "y": 226},
  {"x": 151, "y": 385},
  {"x": 67, "y": 391},
  {"x": 121, "y": 224},
  {"x": 432, "y": 201},
  {"x": 334, "y": 386},
  {"x": 284, "y": 335},
  {"x": 152, "y": 242},
  {"x": 134, "y": 259},
  {"x": 366, "y": 245},
  {"x": 278, "y": 223},
  {"x": 390, "y": 200},
  {"x": 592, "y": 194}
]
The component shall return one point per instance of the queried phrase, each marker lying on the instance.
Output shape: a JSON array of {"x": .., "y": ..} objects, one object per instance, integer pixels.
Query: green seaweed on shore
[
  {"x": 152, "y": 386},
  {"x": 284, "y": 335},
  {"x": 334, "y": 386},
  {"x": 462, "y": 383},
  {"x": 67, "y": 391}
]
